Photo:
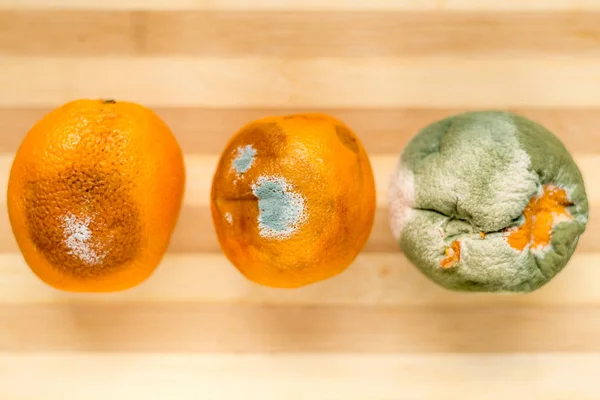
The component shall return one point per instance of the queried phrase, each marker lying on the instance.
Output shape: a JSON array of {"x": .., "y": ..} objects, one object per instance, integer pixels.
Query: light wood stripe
[
  {"x": 236, "y": 328},
  {"x": 374, "y": 279},
  {"x": 433, "y": 82},
  {"x": 200, "y": 170},
  {"x": 299, "y": 34},
  {"x": 293, "y": 5},
  {"x": 67, "y": 376},
  {"x": 206, "y": 130}
]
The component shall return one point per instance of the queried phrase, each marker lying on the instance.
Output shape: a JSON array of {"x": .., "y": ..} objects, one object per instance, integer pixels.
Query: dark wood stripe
[
  {"x": 297, "y": 34},
  {"x": 195, "y": 233},
  {"x": 248, "y": 329},
  {"x": 202, "y": 130}
]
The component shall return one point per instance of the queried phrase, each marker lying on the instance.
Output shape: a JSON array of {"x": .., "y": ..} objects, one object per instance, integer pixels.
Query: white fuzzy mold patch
[
  {"x": 229, "y": 218},
  {"x": 401, "y": 197},
  {"x": 78, "y": 239},
  {"x": 281, "y": 210},
  {"x": 510, "y": 183}
]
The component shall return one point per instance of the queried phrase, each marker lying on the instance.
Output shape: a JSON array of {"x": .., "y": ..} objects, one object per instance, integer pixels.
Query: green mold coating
[
  {"x": 475, "y": 172},
  {"x": 281, "y": 210},
  {"x": 244, "y": 159}
]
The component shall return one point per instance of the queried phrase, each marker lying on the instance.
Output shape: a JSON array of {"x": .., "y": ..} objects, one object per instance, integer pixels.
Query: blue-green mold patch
[
  {"x": 244, "y": 159},
  {"x": 281, "y": 210}
]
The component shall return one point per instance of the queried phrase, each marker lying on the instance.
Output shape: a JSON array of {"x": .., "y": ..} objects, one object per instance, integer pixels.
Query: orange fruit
[
  {"x": 293, "y": 199},
  {"x": 487, "y": 201},
  {"x": 94, "y": 194}
]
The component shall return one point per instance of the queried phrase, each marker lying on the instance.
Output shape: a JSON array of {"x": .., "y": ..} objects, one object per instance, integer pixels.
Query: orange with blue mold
[{"x": 293, "y": 199}]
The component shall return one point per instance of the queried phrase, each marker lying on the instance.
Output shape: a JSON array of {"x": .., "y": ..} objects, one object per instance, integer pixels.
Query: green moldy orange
[{"x": 487, "y": 201}]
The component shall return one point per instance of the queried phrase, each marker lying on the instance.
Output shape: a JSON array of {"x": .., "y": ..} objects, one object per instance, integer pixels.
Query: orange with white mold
[{"x": 94, "y": 194}]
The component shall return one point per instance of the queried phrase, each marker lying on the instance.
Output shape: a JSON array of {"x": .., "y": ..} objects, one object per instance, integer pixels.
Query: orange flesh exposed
[
  {"x": 452, "y": 255},
  {"x": 540, "y": 215}
]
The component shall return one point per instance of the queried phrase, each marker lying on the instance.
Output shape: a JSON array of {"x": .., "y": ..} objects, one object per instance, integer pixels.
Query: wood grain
[
  {"x": 382, "y": 131},
  {"x": 374, "y": 279},
  {"x": 375, "y": 377},
  {"x": 236, "y": 328},
  {"x": 329, "y": 5},
  {"x": 434, "y": 82},
  {"x": 380, "y": 330},
  {"x": 298, "y": 34}
]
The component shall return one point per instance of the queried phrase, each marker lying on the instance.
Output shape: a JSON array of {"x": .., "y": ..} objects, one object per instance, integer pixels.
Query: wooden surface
[{"x": 197, "y": 329}]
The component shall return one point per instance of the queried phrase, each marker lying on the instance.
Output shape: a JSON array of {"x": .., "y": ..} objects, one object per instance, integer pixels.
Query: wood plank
[
  {"x": 63, "y": 32},
  {"x": 65, "y": 376},
  {"x": 297, "y": 34},
  {"x": 206, "y": 130},
  {"x": 294, "y": 5},
  {"x": 433, "y": 82},
  {"x": 374, "y": 279},
  {"x": 218, "y": 328}
]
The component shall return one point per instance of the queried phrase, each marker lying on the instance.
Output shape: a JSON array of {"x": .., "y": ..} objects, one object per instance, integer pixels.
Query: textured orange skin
[
  {"x": 139, "y": 150},
  {"x": 452, "y": 255},
  {"x": 330, "y": 170},
  {"x": 539, "y": 215}
]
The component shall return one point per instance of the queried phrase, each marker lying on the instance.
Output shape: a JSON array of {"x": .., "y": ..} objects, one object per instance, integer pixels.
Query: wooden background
[{"x": 197, "y": 329}]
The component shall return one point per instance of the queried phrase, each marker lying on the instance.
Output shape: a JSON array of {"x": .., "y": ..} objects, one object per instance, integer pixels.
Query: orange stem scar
[
  {"x": 452, "y": 255},
  {"x": 540, "y": 215}
]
